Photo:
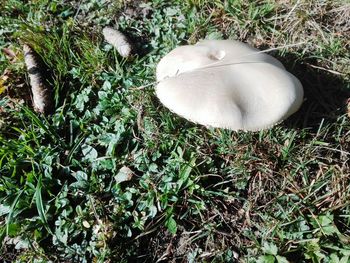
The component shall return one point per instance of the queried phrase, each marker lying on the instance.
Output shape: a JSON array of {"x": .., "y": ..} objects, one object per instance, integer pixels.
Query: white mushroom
[
  {"x": 117, "y": 40},
  {"x": 227, "y": 84}
]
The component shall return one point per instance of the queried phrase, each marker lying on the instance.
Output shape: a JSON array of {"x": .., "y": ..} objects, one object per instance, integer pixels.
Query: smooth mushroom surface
[{"x": 227, "y": 84}]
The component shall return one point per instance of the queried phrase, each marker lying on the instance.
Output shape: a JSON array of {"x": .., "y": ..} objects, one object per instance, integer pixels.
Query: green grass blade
[
  {"x": 41, "y": 124},
  {"x": 12, "y": 209},
  {"x": 40, "y": 205}
]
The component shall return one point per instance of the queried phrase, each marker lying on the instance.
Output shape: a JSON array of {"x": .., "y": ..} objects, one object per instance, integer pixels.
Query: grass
[{"x": 188, "y": 193}]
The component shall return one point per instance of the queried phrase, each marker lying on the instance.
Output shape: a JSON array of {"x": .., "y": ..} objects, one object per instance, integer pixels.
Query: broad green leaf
[
  {"x": 89, "y": 152},
  {"x": 12, "y": 210},
  {"x": 171, "y": 225},
  {"x": 4, "y": 209},
  {"x": 270, "y": 248},
  {"x": 345, "y": 259},
  {"x": 124, "y": 174},
  {"x": 266, "y": 259},
  {"x": 13, "y": 229},
  {"x": 281, "y": 259}
]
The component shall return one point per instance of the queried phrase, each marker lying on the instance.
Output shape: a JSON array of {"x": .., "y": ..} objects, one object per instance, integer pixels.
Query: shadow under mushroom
[{"x": 325, "y": 94}]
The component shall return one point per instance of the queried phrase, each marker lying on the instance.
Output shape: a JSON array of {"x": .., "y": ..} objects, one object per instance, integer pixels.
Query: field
[{"x": 111, "y": 175}]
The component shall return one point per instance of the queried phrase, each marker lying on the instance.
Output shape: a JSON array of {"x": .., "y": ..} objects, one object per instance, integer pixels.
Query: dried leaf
[
  {"x": 2, "y": 86},
  {"x": 118, "y": 40},
  {"x": 3, "y": 79}
]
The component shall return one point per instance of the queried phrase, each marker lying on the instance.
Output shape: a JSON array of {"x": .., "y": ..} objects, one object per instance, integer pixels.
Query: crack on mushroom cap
[{"x": 244, "y": 90}]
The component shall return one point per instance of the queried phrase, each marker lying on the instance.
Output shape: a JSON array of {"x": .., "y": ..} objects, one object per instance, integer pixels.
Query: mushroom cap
[{"x": 227, "y": 84}]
